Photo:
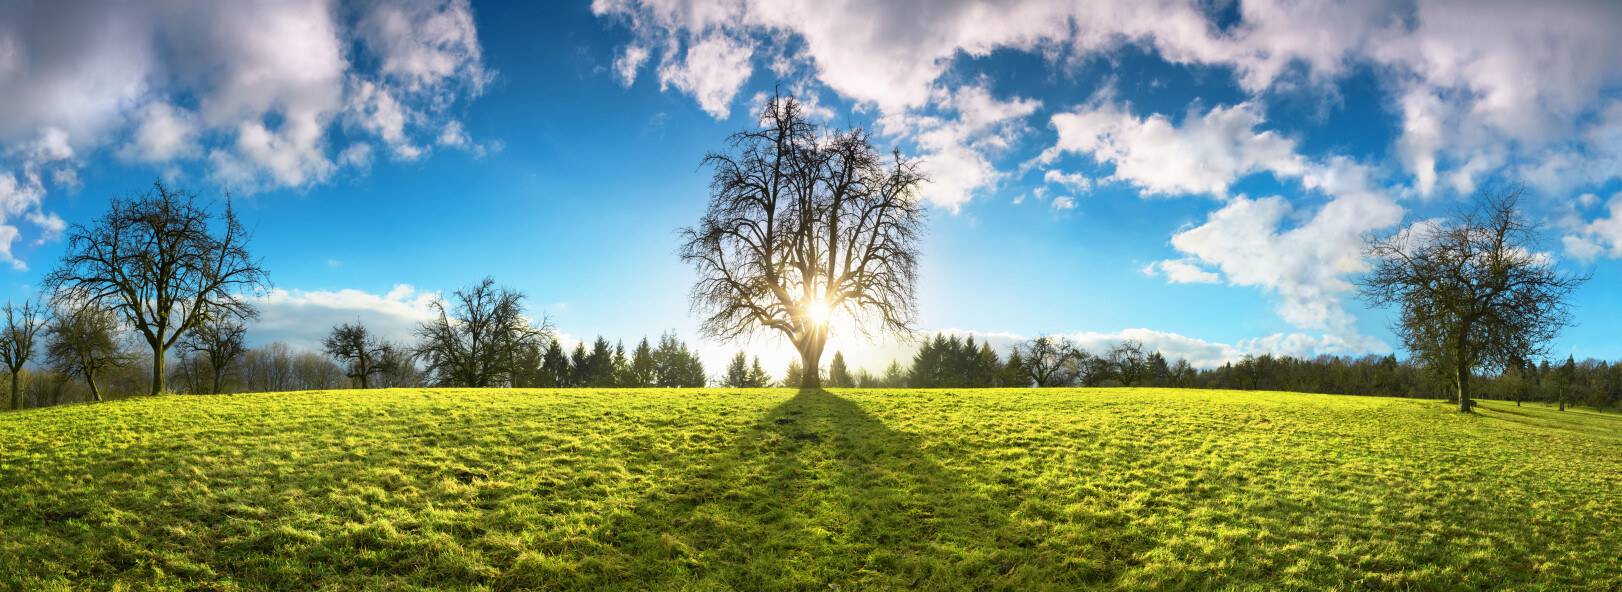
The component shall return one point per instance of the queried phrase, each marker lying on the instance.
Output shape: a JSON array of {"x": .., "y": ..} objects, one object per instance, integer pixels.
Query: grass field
[{"x": 845, "y": 490}]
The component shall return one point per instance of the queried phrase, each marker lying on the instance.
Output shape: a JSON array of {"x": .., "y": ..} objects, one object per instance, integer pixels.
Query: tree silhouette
[
  {"x": 1474, "y": 291},
  {"x": 222, "y": 340},
  {"x": 166, "y": 263},
  {"x": 22, "y": 325},
  {"x": 363, "y": 352},
  {"x": 475, "y": 341},
  {"x": 804, "y": 227},
  {"x": 82, "y": 340}
]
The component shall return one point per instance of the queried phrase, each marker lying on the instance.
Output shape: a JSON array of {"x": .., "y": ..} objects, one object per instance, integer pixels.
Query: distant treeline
[{"x": 945, "y": 361}]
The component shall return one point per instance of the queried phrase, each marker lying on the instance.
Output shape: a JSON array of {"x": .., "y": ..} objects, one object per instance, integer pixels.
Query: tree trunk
[
  {"x": 157, "y": 371},
  {"x": 16, "y": 393},
  {"x": 95, "y": 393},
  {"x": 1461, "y": 379},
  {"x": 811, "y": 360},
  {"x": 1562, "y": 398}
]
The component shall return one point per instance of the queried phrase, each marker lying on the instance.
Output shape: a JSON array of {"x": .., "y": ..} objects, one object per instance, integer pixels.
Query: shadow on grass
[{"x": 818, "y": 494}]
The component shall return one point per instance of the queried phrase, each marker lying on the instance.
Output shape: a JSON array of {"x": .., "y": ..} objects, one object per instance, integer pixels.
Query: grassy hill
[{"x": 774, "y": 489}]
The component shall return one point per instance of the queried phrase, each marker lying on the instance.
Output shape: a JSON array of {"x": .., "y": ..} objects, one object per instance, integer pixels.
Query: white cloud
[
  {"x": 1205, "y": 155},
  {"x": 164, "y": 133},
  {"x": 248, "y": 91},
  {"x": 1063, "y": 202},
  {"x": 1181, "y": 271},
  {"x": 957, "y": 150},
  {"x": 1072, "y": 181},
  {"x": 713, "y": 70},
  {"x": 302, "y": 318},
  {"x": 1476, "y": 85},
  {"x": 1599, "y": 237}
]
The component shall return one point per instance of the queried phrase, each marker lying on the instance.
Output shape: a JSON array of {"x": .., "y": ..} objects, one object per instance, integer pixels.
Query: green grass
[{"x": 1070, "y": 489}]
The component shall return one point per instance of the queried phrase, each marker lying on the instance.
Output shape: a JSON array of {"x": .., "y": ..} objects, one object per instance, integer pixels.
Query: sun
[{"x": 817, "y": 312}]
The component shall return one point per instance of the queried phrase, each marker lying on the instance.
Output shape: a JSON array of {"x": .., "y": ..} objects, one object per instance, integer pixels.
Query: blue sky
[{"x": 1191, "y": 174}]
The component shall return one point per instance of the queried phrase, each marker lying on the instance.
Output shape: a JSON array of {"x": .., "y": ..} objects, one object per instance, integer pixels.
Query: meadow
[{"x": 777, "y": 489}]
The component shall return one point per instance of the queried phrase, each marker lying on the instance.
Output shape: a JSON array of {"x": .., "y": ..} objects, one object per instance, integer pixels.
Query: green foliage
[
  {"x": 1051, "y": 489},
  {"x": 946, "y": 362},
  {"x": 838, "y": 373}
]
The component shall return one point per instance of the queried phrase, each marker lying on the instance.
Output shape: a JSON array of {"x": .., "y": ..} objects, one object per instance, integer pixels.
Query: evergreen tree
[
  {"x": 988, "y": 368},
  {"x": 599, "y": 365},
  {"x": 622, "y": 366},
  {"x": 644, "y": 371},
  {"x": 894, "y": 375},
  {"x": 758, "y": 378},
  {"x": 555, "y": 369},
  {"x": 580, "y": 373},
  {"x": 838, "y": 374},
  {"x": 1013, "y": 373},
  {"x": 792, "y": 377},
  {"x": 1159, "y": 370},
  {"x": 737, "y": 375}
]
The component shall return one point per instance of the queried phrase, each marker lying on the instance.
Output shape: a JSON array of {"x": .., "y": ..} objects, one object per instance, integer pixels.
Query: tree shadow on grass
[{"x": 818, "y": 494}]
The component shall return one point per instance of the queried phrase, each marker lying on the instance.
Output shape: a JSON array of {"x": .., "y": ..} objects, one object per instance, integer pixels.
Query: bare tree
[
  {"x": 23, "y": 324},
  {"x": 804, "y": 228},
  {"x": 476, "y": 341},
  {"x": 364, "y": 353},
  {"x": 221, "y": 340},
  {"x": 83, "y": 340},
  {"x": 1049, "y": 360},
  {"x": 1474, "y": 291},
  {"x": 1128, "y": 363},
  {"x": 164, "y": 261}
]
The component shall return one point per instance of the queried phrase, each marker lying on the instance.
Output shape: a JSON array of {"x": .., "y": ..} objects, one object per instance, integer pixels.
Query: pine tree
[
  {"x": 793, "y": 375},
  {"x": 838, "y": 374},
  {"x": 758, "y": 378},
  {"x": 894, "y": 375},
  {"x": 579, "y": 373},
  {"x": 988, "y": 367},
  {"x": 644, "y": 372},
  {"x": 1013, "y": 373},
  {"x": 555, "y": 370},
  {"x": 737, "y": 375}
]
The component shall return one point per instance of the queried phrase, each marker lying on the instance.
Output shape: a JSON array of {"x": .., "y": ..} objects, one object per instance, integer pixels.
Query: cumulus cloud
[
  {"x": 1302, "y": 257},
  {"x": 1600, "y": 237},
  {"x": 302, "y": 319},
  {"x": 1206, "y": 154},
  {"x": 1476, "y": 85},
  {"x": 256, "y": 94},
  {"x": 958, "y": 142}
]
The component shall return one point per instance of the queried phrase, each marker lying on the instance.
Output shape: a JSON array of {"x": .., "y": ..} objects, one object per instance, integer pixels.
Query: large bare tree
[
  {"x": 1474, "y": 291},
  {"x": 22, "y": 325},
  {"x": 477, "y": 341},
  {"x": 164, "y": 261},
  {"x": 83, "y": 340},
  {"x": 805, "y": 228}
]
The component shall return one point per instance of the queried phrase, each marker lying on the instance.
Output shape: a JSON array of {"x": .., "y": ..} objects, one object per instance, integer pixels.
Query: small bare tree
[
  {"x": 802, "y": 229},
  {"x": 362, "y": 352},
  {"x": 1474, "y": 291},
  {"x": 222, "y": 340},
  {"x": 476, "y": 342},
  {"x": 1128, "y": 362},
  {"x": 23, "y": 324},
  {"x": 83, "y": 340},
  {"x": 166, "y": 263},
  {"x": 1048, "y": 361}
]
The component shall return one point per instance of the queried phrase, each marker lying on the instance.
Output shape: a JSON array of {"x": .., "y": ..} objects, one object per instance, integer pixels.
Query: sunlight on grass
[{"x": 777, "y": 489}]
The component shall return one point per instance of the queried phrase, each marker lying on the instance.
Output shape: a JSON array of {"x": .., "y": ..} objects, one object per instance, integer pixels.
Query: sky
[{"x": 1196, "y": 175}]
